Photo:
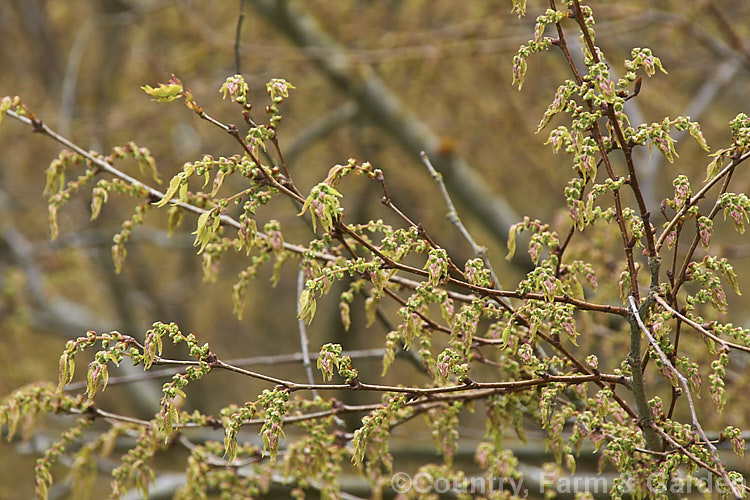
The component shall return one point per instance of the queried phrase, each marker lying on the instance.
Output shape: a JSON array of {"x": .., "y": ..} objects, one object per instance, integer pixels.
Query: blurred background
[{"x": 375, "y": 80}]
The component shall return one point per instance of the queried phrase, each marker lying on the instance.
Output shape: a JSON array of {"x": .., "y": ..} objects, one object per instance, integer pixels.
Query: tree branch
[
  {"x": 686, "y": 391},
  {"x": 388, "y": 112}
]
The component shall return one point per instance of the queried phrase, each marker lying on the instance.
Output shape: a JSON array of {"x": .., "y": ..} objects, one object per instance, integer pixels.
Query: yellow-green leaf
[
  {"x": 175, "y": 218},
  {"x": 174, "y": 185},
  {"x": 202, "y": 234},
  {"x": 511, "y": 244},
  {"x": 165, "y": 92}
]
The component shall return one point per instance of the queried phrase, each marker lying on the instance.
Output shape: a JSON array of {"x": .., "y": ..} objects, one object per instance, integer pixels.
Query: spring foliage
[{"x": 452, "y": 316}]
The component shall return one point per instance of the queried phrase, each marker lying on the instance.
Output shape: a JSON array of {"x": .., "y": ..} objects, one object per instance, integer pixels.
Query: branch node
[{"x": 468, "y": 382}]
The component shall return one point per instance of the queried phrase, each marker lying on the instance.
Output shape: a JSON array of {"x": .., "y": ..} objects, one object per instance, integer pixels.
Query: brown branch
[
  {"x": 673, "y": 442},
  {"x": 597, "y": 135},
  {"x": 234, "y": 132},
  {"x": 681, "y": 276},
  {"x": 698, "y": 327},
  {"x": 386, "y": 200},
  {"x": 698, "y": 196},
  {"x": 229, "y": 221},
  {"x": 226, "y": 220},
  {"x": 388, "y": 112},
  {"x": 686, "y": 391},
  {"x": 257, "y": 360}
]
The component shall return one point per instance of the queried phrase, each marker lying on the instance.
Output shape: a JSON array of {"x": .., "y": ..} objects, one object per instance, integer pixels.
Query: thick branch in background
[
  {"x": 46, "y": 58},
  {"x": 69, "y": 318},
  {"x": 384, "y": 108}
]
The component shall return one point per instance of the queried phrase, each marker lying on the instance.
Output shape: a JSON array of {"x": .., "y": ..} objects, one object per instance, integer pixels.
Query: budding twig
[{"x": 686, "y": 391}]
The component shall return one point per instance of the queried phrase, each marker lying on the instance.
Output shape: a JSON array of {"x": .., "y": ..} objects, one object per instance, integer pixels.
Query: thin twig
[
  {"x": 697, "y": 197},
  {"x": 229, "y": 221},
  {"x": 626, "y": 148},
  {"x": 597, "y": 136},
  {"x": 672, "y": 441},
  {"x": 698, "y": 327},
  {"x": 257, "y": 360},
  {"x": 303, "y": 339},
  {"x": 361, "y": 83},
  {"x": 681, "y": 275},
  {"x": 453, "y": 217},
  {"x": 469, "y": 386},
  {"x": 686, "y": 390},
  {"x": 386, "y": 200},
  {"x": 41, "y": 127},
  {"x": 361, "y": 386},
  {"x": 109, "y": 416},
  {"x": 152, "y": 192}
]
